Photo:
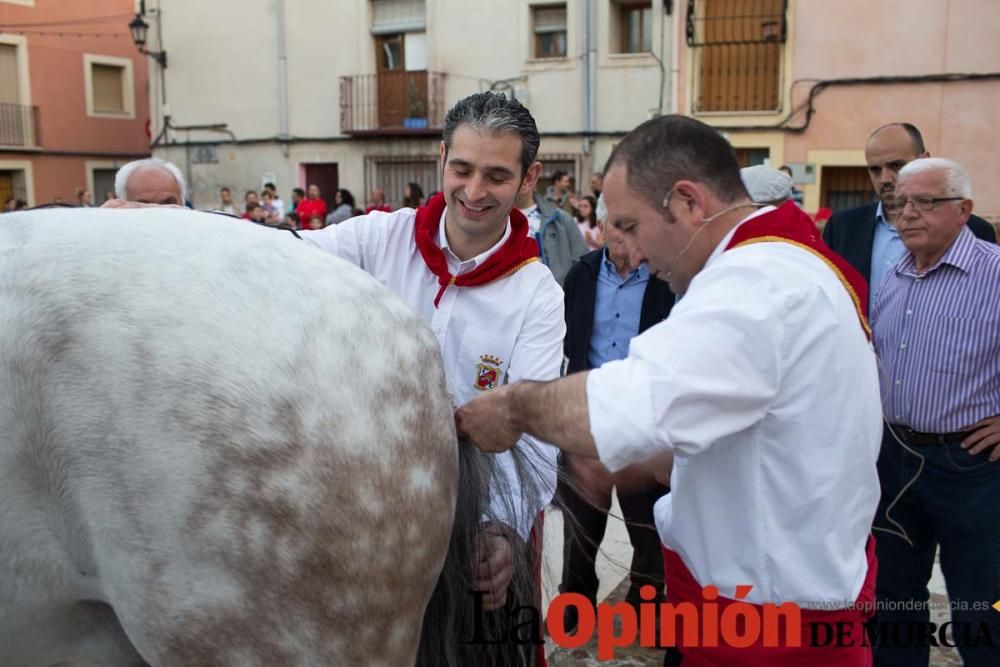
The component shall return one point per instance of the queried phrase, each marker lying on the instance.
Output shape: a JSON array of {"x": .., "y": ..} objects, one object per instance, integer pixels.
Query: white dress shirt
[
  {"x": 763, "y": 384},
  {"x": 516, "y": 322}
]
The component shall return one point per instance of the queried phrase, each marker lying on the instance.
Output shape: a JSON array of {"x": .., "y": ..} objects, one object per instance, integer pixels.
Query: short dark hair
[
  {"x": 671, "y": 148},
  {"x": 252, "y": 206},
  {"x": 225, "y": 189},
  {"x": 270, "y": 186},
  {"x": 497, "y": 113},
  {"x": 248, "y": 193},
  {"x": 916, "y": 139},
  {"x": 557, "y": 175},
  {"x": 299, "y": 191}
]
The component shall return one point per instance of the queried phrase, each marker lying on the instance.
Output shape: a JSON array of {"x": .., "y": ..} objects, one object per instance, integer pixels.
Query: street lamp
[{"x": 139, "y": 28}]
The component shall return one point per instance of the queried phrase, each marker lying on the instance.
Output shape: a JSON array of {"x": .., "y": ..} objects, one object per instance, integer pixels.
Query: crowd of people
[{"x": 724, "y": 373}]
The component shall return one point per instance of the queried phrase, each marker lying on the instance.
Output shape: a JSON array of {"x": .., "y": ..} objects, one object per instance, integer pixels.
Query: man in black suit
[
  {"x": 608, "y": 302},
  {"x": 864, "y": 236}
]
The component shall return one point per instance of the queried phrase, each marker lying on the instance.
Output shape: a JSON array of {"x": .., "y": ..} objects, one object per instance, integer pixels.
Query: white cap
[{"x": 765, "y": 184}]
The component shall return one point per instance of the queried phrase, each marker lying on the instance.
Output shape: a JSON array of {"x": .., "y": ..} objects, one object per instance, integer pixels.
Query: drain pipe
[
  {"x": 589, "y": 75},
  {"x": 675, "y": 59},
  {"x": 282, "y": 79}
]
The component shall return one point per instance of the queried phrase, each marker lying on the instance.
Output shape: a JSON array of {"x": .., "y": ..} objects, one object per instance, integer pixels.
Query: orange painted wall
[
  {"x": 56, "y": 71},
  {"x": 861, "y": 38}
]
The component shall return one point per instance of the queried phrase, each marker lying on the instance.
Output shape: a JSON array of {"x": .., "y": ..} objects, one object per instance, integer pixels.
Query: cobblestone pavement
[{"x": 610, "y": 570}]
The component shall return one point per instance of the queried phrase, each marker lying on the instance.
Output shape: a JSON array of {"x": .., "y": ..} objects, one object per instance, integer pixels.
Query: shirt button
[
  {"x": 898, "y": 381},
  {"x": 903, "y": 346},
  {"x": 618, "y": 315},
  {"x": 614, "y": 344},
  {"x": 909, "y": 312}
]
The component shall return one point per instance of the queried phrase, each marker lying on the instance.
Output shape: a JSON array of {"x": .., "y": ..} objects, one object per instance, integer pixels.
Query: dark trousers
[
  {"x": 584, "y": 529},
  {"x": 954, "y": 504}
]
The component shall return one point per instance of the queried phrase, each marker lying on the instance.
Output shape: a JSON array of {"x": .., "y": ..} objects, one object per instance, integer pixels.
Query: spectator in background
[
  {"x": 378, "y": 202},
  {"x": 596, "y": 183},
  {"x": 8, "y": 205},
  {"x": 608, "y": 302},
  {"x": 797, "y": 195},
  {"x": 935, "y": 331},
  {"x": 312, "y": 205},
  {"x": 765, "y": 185},
  {"x": 344, "y": 201},
  {"x": 150, "y": 181},
  {"x": 560, "y": 192},
  {"x": 83, "y": 198},
  {"x": 586, "y": 219},
  {"x": 865, "y": 236},
  {"x": 250, "y": 197},
  {"x": 559, "y": 240},
  {"x": 278, "y": 202},
  {"x": 413, "y": 196},
  {"x": 255, "y": 213},
  {"x": 227, "y": 205},
  {"x": 272, "y": 214},
  {"x": 316, "y": 222},
  {"x": 298, "y": 194},
  {"x": 291, "y": 221}
]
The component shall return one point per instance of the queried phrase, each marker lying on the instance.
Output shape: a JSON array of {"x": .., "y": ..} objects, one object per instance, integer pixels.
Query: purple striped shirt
[{"x": 937, "y": 336}]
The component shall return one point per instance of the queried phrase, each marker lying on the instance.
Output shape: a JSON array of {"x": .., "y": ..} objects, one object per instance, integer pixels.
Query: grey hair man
[{"x": 151, "y": 181}]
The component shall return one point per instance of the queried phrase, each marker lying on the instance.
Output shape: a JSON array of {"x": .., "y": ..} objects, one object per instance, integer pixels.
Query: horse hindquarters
[{"x": 244, "y": 475}]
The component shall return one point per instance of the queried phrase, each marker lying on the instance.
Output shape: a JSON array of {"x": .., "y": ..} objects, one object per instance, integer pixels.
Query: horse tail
[{"x": 455, "y": 629}]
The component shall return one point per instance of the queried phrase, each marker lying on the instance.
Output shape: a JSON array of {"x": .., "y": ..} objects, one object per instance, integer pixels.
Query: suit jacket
[
  {"x": 851, "y": 234},
  {"x": 581, "y": 293}
]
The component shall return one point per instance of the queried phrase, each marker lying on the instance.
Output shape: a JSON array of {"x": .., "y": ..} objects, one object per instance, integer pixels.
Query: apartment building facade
[
  {"x": 74, "y": 101},
  {"x": 353, "y": 93}
]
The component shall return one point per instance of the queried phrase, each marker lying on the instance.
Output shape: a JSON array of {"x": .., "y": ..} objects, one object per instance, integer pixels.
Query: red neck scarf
[
  {"x": 519, "y": 249},
  {"x": 789, "y": 224}
]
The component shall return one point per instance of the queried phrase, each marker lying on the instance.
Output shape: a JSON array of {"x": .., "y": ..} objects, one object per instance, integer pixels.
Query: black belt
[{"x": 918, "y": 439}]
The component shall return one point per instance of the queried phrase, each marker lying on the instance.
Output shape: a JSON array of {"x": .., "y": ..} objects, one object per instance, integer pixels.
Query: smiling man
[
  {"x": 465, "y": 262},
  {"x": 762, "y": 384}
]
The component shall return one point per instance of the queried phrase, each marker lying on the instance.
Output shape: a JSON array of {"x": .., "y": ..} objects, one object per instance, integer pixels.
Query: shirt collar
[
  {"x": 641, "y": 271},
  {"x": 959, "y": 255},
  {"x": 881, "y": 221},
  {"x": 457, "y": 266},
  {"x": 719, "y": 249}
]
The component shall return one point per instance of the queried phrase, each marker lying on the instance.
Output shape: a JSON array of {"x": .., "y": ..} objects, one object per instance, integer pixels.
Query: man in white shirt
[
  {"x": 761, "y": 384},
  {"x": 496, "y": 311}
]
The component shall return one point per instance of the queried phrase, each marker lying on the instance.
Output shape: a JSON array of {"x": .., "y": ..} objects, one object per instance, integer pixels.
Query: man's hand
[
  {"x": 985, "y": 434},
  {"x": 492, "y": 566},
  {"x": 487, "y": 420}
]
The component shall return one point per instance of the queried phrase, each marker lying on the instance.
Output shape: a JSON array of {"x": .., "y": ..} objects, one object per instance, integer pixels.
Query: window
[
  {"x": 635, "y": 27},
  {"x": 549, "y": 23},
  {"x": 748, "y": 157},
  {"x": 551, "y": 163},
  {"x": 845, "y": 187},
  {"x": 392, "y": 173},
  {"x": 102, "y": 183},
  {"x": 109, "y": 86},
  {"x": 739, "y": 46}
]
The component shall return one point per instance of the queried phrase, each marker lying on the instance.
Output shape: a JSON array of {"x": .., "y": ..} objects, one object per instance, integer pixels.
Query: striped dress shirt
[{"x": 937, "y": 336}]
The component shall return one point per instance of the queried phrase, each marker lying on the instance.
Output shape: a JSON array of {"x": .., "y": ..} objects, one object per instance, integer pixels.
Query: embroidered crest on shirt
[{"x": 488, "y": 372}]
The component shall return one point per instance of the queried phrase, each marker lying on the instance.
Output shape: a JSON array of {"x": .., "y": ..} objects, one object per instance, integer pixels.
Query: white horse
[{"x": 218, "y": 446}]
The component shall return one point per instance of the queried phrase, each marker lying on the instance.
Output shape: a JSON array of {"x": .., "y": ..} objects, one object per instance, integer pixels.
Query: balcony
[
  {"x": 392, "y": 103},
  {"x": 18, "y": 125}
]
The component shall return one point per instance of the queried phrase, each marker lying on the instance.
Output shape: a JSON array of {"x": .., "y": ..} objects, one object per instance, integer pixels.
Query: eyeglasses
[{"x": 920, "y": 203}]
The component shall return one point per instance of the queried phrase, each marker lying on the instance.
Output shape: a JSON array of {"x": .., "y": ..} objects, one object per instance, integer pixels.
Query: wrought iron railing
[
  {"x": 18, "y": 125},
  {"x": 394, "y": 102}
]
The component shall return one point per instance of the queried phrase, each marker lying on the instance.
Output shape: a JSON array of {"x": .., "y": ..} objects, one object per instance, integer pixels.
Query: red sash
[
  {"x": 518, "y": 250},
  {"x": 828, "y": 652},
  {"x": 789, "y": 224}
]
